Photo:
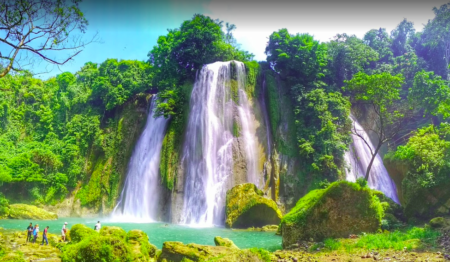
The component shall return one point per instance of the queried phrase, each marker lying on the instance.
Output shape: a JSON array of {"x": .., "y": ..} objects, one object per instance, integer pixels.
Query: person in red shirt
[{"x": 44, "y": 236}]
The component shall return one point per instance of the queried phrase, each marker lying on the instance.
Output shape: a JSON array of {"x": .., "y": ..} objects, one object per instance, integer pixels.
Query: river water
[{"x": 161, "y": 232}]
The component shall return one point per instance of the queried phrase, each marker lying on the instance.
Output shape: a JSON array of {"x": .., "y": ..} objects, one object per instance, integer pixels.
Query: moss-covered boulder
[
  {"x": 437, "y": 222},
  {"x": 224, "y": 242},
  {"x": 177, "y": 252},
  {"x": 341, "y": 209},
  {"x": 97, "y": 248},
  {"x": 79, "y": 232},
  {"x": 22, "y": 211},
  {"x": 246, "y": 207},
  {"x": 113, "y": 232},
  {"x": 141, "y": 249}
]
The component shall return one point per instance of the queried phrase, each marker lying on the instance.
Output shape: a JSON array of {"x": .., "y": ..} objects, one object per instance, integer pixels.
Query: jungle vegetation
[{"x": 52, "y": 131}]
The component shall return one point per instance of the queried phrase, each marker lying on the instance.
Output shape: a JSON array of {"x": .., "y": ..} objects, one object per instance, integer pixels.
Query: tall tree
[
  {"x": 347, "y": 55},
  {"x": 36, "y": 28},
  {"x": 400, "y": 36},
  {"x": 378, "y": 40},
  {"x": 436, "y": 39},
  {"x": 297, "y": 58},
  {"x": 430, "y": 93},
  {"x": 380, "y": 92}
]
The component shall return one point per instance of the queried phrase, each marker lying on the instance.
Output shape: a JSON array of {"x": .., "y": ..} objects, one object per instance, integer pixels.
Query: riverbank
[
  {"x": 161, "y": 232},
  {"x": 414, "y": 244}
]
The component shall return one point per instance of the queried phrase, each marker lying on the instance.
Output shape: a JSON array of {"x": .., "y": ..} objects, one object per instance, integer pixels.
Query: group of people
[{"x": 33, "y": 232}]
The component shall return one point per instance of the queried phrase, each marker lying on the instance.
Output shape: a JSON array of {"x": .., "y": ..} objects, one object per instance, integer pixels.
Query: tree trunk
[{"x": 371, "y": 160}]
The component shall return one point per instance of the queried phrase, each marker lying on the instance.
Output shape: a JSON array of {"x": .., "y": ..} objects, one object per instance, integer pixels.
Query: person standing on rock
[
  {"x": 63, "y": 232},
  {"x": 35, "y": 233},
  {"x": 44, "y": 236},
  {"x": 29, "y": 232},
  {"x": 98, "y": 226}
]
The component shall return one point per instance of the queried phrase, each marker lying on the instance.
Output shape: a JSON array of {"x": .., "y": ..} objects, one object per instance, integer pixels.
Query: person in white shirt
[
  {"x": 63, "y": 232},
  {"x": 98, "y": 226}
]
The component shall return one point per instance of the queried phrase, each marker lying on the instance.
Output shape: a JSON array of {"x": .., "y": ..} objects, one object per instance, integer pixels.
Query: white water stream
[
  {"x": 208, "y": 149},
  {"x": 139, "y": 201},
  {"x": 358, "y": 158}
]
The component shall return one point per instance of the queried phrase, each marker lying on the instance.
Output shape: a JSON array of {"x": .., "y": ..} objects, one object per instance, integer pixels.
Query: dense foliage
[
  {"x": 183, "y": 51},
  {"x": 321, "y": 118},
  {"x": 53, "y": 130},
  {"x": 75, "y": 132}
]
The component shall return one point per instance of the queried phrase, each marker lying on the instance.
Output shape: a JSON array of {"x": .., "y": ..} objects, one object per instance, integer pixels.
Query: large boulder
[
  {"x": 178, "y": 252},
  {"x": 341, "y": 209},
  {"x": 141, "y": 248},
  {"x": 224, "y": 242},
  {"x": 79, "y": 232},
  {"x": 97, "y": 248},
  {"x": 246, "y": 207},
  {"x": 22, "y": 211},
  {"x": 113, "y": 232}
]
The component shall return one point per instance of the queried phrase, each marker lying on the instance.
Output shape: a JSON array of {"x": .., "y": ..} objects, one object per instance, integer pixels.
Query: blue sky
[{"x": 129, "y": 29}]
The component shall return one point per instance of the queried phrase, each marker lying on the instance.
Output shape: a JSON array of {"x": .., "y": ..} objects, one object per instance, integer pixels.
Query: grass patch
[{"x": 414, "y": 238}]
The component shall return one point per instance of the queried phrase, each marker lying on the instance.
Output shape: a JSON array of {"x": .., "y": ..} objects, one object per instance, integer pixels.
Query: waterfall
[
  {"x": 208, "y": 150},
  {"x": 139, "y": 200},
  {"x": 358, "y": 158}
]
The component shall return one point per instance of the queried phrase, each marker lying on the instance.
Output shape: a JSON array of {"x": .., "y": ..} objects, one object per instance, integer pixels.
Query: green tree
[
  {"x": 39, "y": 28},
  {"x": 430, "y": 93},
  {"x": 179, "y": 54},
  {"x": 379, "y": 92},
  {"x": 347, "y": 55},
  {"x": 400, "y": 37},
  {"x": 379, "y": 40},
  {"x": 435, "y": 41},
  {"x": 323, "y": 131},
  {"x": 297, "y": 58}
]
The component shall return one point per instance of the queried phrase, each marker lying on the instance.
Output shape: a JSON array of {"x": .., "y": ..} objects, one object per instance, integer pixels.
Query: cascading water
[
  {"x": 358, "y": 158},
  {"x": 139, "y": 200},
  {"x": 208, "y": 150}
]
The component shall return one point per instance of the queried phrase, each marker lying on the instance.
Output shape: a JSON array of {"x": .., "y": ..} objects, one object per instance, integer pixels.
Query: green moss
[
  {"x": 246, "y": 206},
  {"x": 236, "y": 128},
  {"x": 437, "y": 222},
  {"x": 97, "y": 248},
  {"x": 279, "y": 104},
  {"x": 178, "y": 252},
  {"x": 224, "y": 242},
  {"x": 172, "y": 144},
  {"x": 79, "y": 232},
  {"x": 234, "y": 89},
  {"x": 12, "y": 257},
  {"x": 112, "y": 231},
  {"x": 141, "y": 249},
  {"x": 252, "y": 70},
  {"x": 22, "y": 211},
  {"x": 92, "y": 193},
  {"x": 342, "y": 209}
]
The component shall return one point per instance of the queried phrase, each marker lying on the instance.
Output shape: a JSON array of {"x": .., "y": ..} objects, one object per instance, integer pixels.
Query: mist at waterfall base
[
  {"x": 160, "y": 232},
  {"x": 208, "y": 153},
  {"x": 140, "y": 197},
  {"x": 358, "y": 158}
]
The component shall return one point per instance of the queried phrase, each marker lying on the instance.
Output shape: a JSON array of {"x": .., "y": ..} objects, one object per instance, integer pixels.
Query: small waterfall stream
[
  {"x": 139, "y": 200},
  {"x": 208, "y": 151},
  {"x": 358, "y": 158}
]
